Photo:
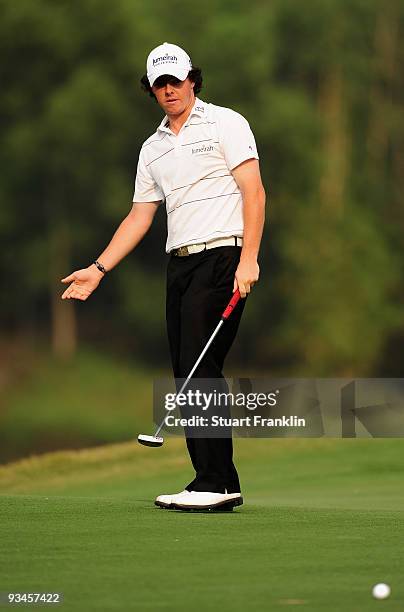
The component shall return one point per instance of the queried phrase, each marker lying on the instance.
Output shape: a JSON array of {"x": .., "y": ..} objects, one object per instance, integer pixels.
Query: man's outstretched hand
[{"x": 83, "y": 282}]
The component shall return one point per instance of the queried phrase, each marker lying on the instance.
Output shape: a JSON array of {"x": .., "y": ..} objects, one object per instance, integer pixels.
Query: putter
[{"x": 157, "y": 440}]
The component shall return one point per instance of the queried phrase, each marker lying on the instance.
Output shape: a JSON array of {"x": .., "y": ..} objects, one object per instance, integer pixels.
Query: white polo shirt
[{"x": 191, "y": 172}]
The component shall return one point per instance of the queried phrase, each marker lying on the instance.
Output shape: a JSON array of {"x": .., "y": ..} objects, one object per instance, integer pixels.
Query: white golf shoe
[
  {"x": 205, "y": 500},
  {"x": 166, "y": 501}
]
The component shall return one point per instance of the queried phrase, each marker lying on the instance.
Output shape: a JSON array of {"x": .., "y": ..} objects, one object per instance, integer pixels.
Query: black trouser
[{"x": 199, "y": 287}]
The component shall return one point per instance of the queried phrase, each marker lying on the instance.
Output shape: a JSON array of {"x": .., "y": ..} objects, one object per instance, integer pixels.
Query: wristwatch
[{"x": 100, "y": 267}]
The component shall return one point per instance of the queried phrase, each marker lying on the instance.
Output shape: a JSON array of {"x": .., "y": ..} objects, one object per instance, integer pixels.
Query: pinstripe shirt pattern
[{"x": 191, "y": 173}]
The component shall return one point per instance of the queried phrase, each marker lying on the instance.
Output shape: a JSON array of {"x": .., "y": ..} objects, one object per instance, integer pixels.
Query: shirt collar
[{"x": 198, "y": 109}]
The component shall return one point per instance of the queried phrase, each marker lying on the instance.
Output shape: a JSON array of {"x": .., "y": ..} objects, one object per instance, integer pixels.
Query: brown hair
[{"x": 195, "y": 75}]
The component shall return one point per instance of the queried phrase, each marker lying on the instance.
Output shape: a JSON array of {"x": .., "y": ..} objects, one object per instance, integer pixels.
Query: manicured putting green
[{"x": 322, "y": 523}]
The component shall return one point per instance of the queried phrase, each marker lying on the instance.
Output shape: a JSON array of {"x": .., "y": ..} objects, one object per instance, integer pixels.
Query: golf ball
[{"x": 381, "y": 591}]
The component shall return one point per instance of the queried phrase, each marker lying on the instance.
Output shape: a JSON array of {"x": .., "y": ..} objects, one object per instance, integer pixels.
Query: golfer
[{"x": 202, "y": 162}]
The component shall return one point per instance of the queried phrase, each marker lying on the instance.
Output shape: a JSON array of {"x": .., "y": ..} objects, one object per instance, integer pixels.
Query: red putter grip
[{"x": 231, "y": 305}]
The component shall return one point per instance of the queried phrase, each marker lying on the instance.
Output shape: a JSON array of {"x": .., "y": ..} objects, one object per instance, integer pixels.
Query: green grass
[
  {"x": 322, "y": 522},
  {"x": 92, "y": 399}
]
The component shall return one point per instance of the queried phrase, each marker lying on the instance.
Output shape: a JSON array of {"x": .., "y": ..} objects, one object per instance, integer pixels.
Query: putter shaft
[
  {"x": 226, "y": 314},
  {"x": 201, "y": 356}
]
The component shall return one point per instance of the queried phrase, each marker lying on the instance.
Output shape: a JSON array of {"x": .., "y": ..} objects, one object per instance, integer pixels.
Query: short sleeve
[
  {"x": 146, "y": 188},
  {"x": 236, "y": 139}
]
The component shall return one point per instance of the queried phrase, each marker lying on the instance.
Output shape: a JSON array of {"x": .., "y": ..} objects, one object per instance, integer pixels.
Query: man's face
[{"x": 173, "y": 95}]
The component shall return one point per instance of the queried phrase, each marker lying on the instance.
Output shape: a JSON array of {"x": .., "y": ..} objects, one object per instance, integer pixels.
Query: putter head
[{"x": 150, "y": 440}]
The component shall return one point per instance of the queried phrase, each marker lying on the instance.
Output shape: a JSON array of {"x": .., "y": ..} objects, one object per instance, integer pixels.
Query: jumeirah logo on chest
[{"x": 202, "y": 149}]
